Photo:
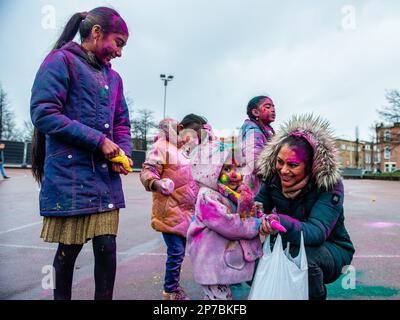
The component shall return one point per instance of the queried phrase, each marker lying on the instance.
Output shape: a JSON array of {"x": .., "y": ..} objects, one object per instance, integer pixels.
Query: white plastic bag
[{"x": 279, "y": 276}]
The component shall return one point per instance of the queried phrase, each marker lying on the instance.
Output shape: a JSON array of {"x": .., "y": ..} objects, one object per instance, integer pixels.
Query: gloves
[{"x": 164, "y": 186}]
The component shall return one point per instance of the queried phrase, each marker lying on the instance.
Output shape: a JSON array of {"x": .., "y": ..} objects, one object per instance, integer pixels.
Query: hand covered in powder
[
  {"x": 164, "y": 186},
  {"x": 266, "y": 227},
  {"x": 246, "y": 206}
]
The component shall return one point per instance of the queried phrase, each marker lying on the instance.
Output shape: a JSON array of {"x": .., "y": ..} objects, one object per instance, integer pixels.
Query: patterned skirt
[{"x": 79, "y": 229}]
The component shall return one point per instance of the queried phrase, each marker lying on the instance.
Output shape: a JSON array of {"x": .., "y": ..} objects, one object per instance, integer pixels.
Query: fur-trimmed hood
[{"x": 325, "y": 167}]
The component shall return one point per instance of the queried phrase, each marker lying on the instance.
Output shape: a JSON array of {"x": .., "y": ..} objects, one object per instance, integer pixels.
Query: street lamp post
[{"x": 165, "y": 79}]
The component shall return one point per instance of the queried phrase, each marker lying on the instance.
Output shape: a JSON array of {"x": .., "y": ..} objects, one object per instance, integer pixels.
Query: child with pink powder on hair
[{"x": 223, "y": 238}]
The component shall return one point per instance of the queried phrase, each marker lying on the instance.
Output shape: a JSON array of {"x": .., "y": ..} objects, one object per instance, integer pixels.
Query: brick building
[
  {"x": 348, "y": 154},
  {"x": 383, "y": 155},
  {"x": 387, "y": 151}
]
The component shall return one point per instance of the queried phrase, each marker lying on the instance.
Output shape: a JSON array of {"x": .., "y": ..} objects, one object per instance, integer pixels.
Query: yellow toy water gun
[
  {"x": 233, "y": 192},
  {"x": 233, "y": 195},
  {"x": 123, "y": 159}
]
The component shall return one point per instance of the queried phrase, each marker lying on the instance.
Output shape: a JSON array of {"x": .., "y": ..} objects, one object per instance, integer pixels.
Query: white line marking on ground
[
  {"x": 21, "y": 227},
  {"x": 19, "y": 246},
  {"x": 125, "y": 253},
  {"x": 377, "y": 256},
  {"x": 26, "y": 247}
]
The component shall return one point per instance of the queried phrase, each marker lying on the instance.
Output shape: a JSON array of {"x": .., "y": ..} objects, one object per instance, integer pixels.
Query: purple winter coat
[
  {"x": 253, "y": 142},
  {"x": 77, "y": 102},
  {"x": 222, "y": 246}
]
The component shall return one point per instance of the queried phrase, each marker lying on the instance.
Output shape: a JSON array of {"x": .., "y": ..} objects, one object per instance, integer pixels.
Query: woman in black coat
[{"x": 303, "y": 190}]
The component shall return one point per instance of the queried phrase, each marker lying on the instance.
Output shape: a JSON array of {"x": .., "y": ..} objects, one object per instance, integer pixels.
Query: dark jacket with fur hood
[{"x": 318, "y": 209}]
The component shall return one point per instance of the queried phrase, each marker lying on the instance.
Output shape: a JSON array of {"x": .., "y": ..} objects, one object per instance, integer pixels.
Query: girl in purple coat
[
  {"x": 223, "y": 238},
  {"x": 81, "y": 121},
  {"x": 256, "y": 131}
]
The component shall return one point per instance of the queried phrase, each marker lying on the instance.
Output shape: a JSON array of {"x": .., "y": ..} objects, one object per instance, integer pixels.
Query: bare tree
[
  {"x": 3, "y": 106},
  {"x": 27, "y": 131},
  {"x": 142, "y": 121},
  {"x": 357, "y": 148},
  {"x": 391, "y": 112},
  {"x": 129, "y": 103},
  {"x": 8, "y": 128},
  {"x": 141, "y": 124},
  {"x": 373, "y": 139}
]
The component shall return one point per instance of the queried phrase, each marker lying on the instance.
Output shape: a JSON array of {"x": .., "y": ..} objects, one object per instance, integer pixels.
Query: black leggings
[{"x": 104, "y": 249}]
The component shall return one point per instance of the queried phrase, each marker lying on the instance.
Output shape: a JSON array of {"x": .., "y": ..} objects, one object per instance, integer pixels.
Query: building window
[
  {"x": 387, "y": 136},
  {"x": 343, "y": 147},
  {"x": 367, "y": 147},
  {"x": 367, "y": 158},
  {"x": 387, "y": 153},
  {"x": 390, "y": 167}
]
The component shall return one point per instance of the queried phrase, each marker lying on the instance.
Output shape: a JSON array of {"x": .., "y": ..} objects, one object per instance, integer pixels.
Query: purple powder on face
[{"x": 301, "y": 155}]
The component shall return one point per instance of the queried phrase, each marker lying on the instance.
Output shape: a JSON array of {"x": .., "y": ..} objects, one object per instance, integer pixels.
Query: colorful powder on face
[
  {"x": 224, "y": 179},
  {"x": 232, "y": 177}
]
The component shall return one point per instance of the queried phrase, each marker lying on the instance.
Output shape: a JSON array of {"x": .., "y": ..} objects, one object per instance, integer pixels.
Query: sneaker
[
  {"x": 6, "y": 177},
  {"x": 178, "y": 295}
]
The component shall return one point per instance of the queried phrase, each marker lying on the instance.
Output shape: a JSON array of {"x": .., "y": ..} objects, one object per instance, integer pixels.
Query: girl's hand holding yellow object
[{"x": 121, "y": 163}]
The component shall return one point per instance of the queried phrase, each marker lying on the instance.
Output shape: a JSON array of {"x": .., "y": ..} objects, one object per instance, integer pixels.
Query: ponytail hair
[
  {"x": 109, "y": 21},
  {"x": 70, "y": 30}
]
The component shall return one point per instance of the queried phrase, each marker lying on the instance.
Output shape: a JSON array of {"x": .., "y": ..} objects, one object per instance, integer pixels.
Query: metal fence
[
  {"x": 18, "y": 155},
  {"x": 352, "y": 172}
]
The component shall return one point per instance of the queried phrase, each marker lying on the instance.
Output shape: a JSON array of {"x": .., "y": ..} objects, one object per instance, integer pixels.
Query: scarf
[{"x": 293, "y": 191}]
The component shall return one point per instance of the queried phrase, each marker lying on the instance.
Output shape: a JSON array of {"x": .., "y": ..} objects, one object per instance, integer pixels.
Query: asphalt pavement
[{"x": 372, "y": 217}]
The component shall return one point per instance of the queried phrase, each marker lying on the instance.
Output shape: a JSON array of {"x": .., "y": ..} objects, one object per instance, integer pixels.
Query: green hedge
[{"x": 383, "y": 176}]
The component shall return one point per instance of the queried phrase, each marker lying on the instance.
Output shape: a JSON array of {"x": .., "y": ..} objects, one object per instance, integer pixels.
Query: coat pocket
[
  {"x": 252, "y": 249},
  {"x": 233, "y": 255},
  {"x": 57, "y": 191}
]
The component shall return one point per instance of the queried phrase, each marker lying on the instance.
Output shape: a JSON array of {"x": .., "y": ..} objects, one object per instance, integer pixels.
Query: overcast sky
[{"x": 333, "y": 58}]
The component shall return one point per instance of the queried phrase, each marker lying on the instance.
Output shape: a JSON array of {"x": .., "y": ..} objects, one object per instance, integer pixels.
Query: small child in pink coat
[{"x": 223, "y": 238}]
